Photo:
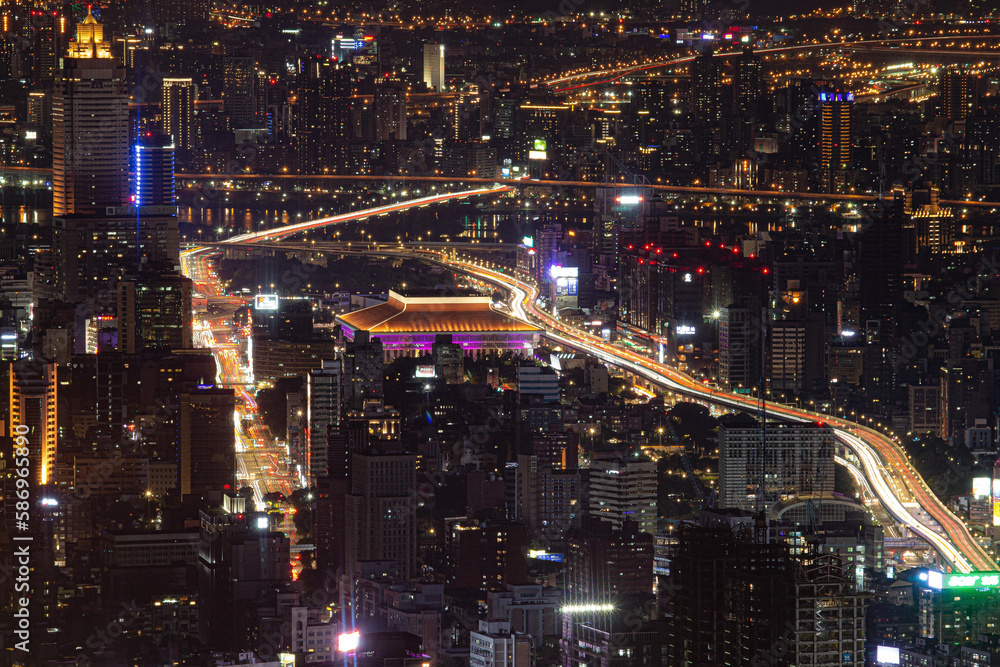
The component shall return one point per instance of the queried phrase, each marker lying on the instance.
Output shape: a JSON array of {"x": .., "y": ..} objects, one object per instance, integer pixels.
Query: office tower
[
  {"x": 796, "y": 359},
  {"x": 90, "y": 132},
  {"x": 706, "y": 87},
  {"x": 434, "y": 67},
  {"x": 380, "y": 512},
  {"x": 33, "y": 404},
  {"x": 620, "y": 488},
  {"x": 731, "y": 598},
  {"x": 741, "y": 339},
  {"x": 154, "y": 312},
  {"x": 835, "y": 129},
  {"x": 363, "y": 371},
  {"x": 324, "y": 401},
  {"x": 239, "y": 93},
  {"x": 207, "y": 466},
  {"x": 880, "y": 273},
  {"x": 323, "y": 115},
  {"x": 548, "y": 501},
  {"x": 748, "y": 85},
  {"x": 48, "y": 39},
  {"x": 390, "y": 109},
  {"x": 94, "y": 253},
  {"x": 164, "y": 380},
  {"x": 958, "y": 93},
  {"x": 153, "y": 169},
  {"x": 177, "y": 108},
  {"x": 242, "y": 566},
  {"x": 604, "y": 563},
  {"x": 788, "y": 459}
]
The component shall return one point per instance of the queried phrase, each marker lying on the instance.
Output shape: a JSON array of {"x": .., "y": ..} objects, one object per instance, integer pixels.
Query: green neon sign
[{"x": 974, "y": 580}]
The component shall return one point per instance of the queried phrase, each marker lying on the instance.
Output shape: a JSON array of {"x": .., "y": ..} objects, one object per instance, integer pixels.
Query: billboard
[
  {"x": 887, "y": 655},
  {"x": 538, "y": 152},
  {"x": 425, "y": 372},
  {"x": 348, "y": 641},
  {"x": 630, "y": 199},
  {"x": 981, "y": 487},
  {"x": 265, "y": 302}
]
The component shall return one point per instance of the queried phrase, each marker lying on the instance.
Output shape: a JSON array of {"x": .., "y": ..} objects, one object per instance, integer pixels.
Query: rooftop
[{"x": 434, "y": 311}]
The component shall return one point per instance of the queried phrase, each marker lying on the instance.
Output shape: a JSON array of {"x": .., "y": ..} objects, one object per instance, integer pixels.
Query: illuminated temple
[{"x": 409, "y": 323}]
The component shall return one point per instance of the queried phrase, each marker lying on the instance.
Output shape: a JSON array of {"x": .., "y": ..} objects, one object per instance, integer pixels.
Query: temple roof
[{"x": 434, "y": 312}]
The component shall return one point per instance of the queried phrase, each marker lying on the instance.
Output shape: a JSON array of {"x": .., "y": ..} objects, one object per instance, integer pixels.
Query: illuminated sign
[
  {"x": 934, "y": 579},
  {"x": 585, "y": 608},
  {"x": 425, "y": 372},
  {"x": 528, "y": 242},
  {"x": 981, "y": 487},
  {"x": 286, "y": 659},
  {"x": 887, "y": 655},
  {"x": 348, "y": 641},
  {"x": 539, "y": 144},
  {"x": 629, "y": 199},
  {"x": 541, "y": 554},
  {"x": 537, "y": 155},
  {"x": 263, "y": 523},
  {"x": 538, "y": 150},
  {"x": 265, "y": 302},
  {"x": 972, "y": 580},
  {"x": 556, "y": 272},
  {"x": 685, "y": 330},
  {"x": 30, "y": 134}
]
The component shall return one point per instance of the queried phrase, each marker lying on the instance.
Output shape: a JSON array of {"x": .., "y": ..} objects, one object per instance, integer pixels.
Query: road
[
  {"x": 886, "y": 467},
  {"x": 616, "y": 73},
  {"x": 261, "y": 462},
  {"x": 530, "y": 182}
]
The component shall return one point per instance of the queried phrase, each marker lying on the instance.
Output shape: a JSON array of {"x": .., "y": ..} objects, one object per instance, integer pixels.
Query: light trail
[{"x": 884, "y": 463}]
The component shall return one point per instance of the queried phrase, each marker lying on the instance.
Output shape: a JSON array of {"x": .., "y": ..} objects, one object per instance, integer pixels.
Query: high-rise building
[
  {"x": 786, "y": 459},
  {"x": 540, "y": 381},
  {"x": 48, "y": 39},
  {"x": 90, "y": 133},
  {"x": 434, "y": 67},
  {"x": 207, "y": 465},
  {"x": 177, "y": 109},
  {"x": 242, "y": 565},
  {"x": 748, "y": 85},
  {"x": 154, "y": 312},
  {"x": 390, "y": 109},
  {"x": 33, "y": 404},
  {"x": 835, "y": 129},
  {"x": 706, "y": 87},
  {"x": 622, "y": 488},
  {"x": 958, "y": 93},
  {"x": 324, "y": 405},
  {"x": 363, "y": 371},
  {"x": 153, "y": 173},
  {"x": 239, "y": 93},
  {"x": 94, "y": 253},
  {"x": 740, "y": 348},
  {"x": 323, "y": 115},
  {"x": 380, "y": 512},
  {"x": 493, "y": 645}
]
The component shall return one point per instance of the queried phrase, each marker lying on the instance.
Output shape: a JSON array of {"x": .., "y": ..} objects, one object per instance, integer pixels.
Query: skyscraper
[
  {"x": 324, "y": 406},
  {"x": 434, "y": 67},
  {"x": 207, "y": 465},
  {"x": 958, "y": 93},
  {"x": 33, "y": 405},
  {"x": 390, "y": 109},
  {"x": 380, "y": 513},
  {"x": 748, "y": 85},
  {"x": 740, "y": 342},
  {"x": 154, "y": 312},
  {"x": 239, "y": 93},
  {"x": 706, "y": 87},
  {"x": 153, "y": 169},
  {"x": 835, "y": 129},
  {"x": 322, "y": 115},
  {"x": 89, "y": 127},
  {"x": 177, "y": 104}
]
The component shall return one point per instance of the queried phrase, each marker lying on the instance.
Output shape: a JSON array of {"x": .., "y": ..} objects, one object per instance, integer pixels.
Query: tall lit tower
[
  {"x": 33, "y": 405},
  {"x": 835, "y": 129},
  {"x": 89, "y": 127},
  {"x": 434, "y": 66},
  {"x": 177, "y": 103}
]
